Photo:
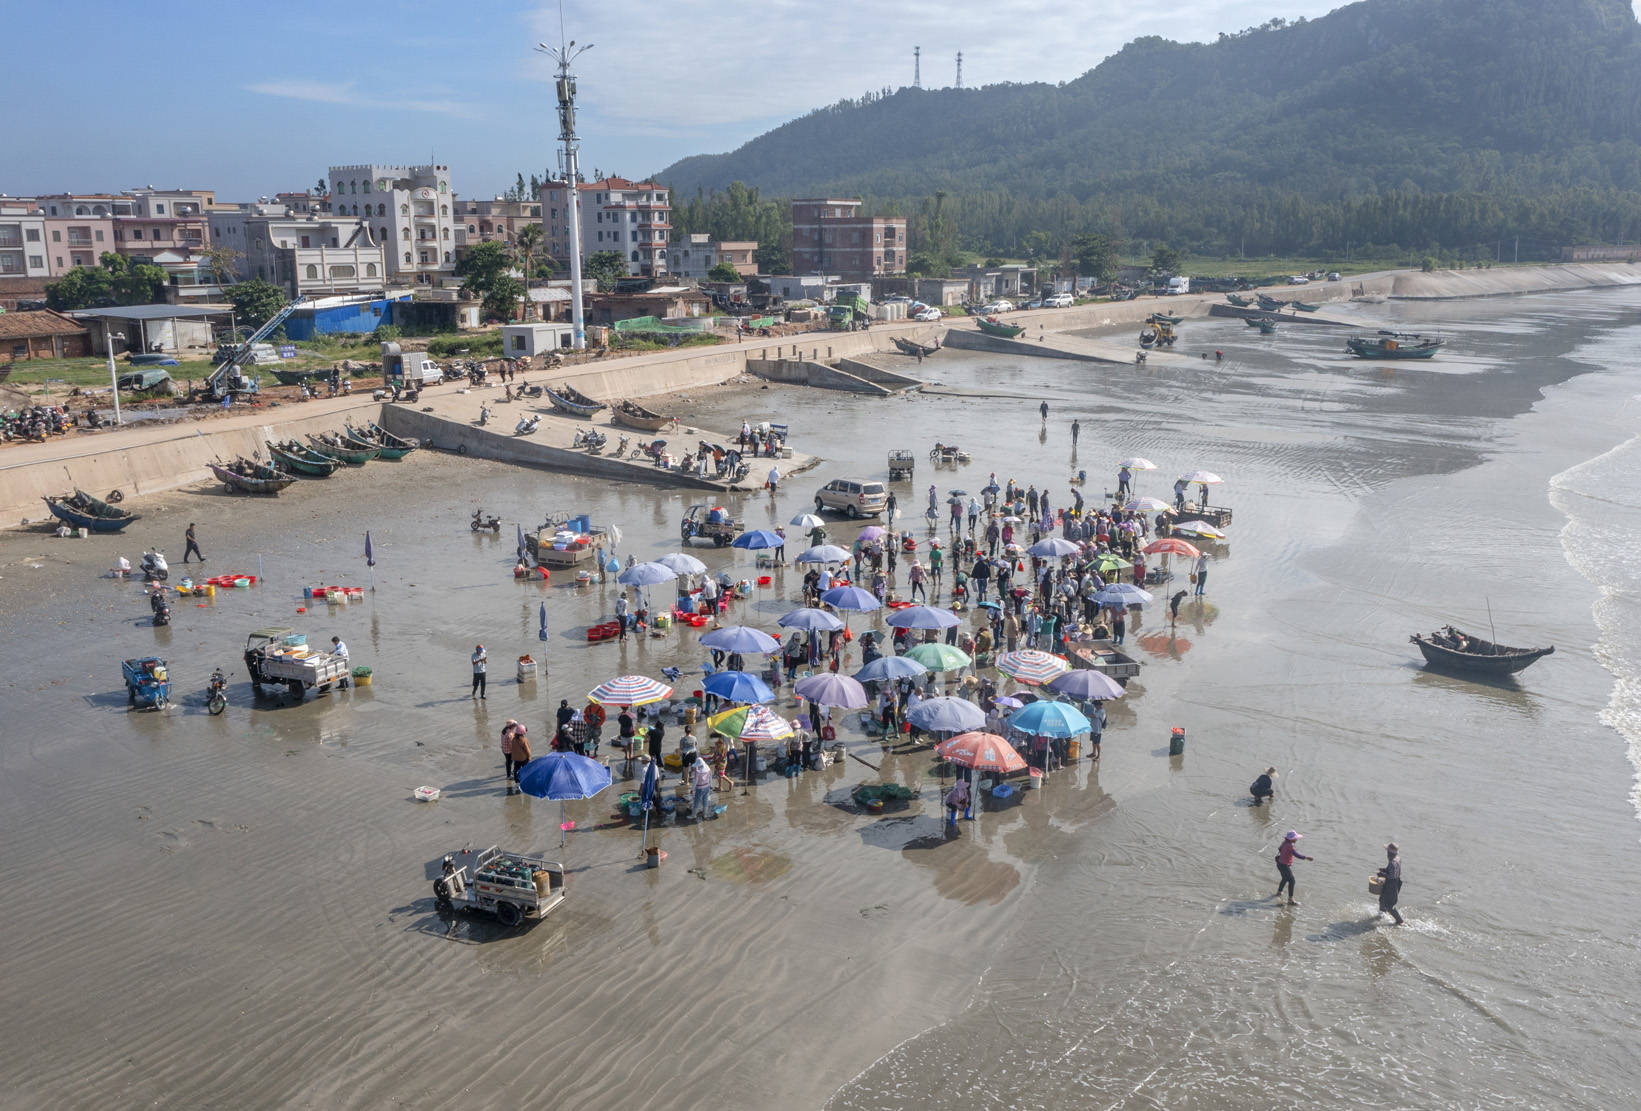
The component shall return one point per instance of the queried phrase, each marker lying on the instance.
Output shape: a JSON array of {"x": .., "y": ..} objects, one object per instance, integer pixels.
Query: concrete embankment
[{"x": 1443, "y": 285}]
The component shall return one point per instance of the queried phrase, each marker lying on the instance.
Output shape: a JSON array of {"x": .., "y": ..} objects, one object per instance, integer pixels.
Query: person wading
[
  {"x": 1285, "y": 856},
  {"x": 1390, "y": 892}
]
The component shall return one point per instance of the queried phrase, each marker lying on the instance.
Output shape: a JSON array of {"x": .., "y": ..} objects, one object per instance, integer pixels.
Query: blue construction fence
[{"x": 360, "y": 317}]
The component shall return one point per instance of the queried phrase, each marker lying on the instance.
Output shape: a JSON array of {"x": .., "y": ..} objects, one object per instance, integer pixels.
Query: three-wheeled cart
[
  {"x": 147, "y": 685},
  {"x": 512, "y": 886},
  {"x": 901, "y": 465}
]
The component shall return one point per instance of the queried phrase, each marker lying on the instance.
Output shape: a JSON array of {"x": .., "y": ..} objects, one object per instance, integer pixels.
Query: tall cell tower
[
  {"x": 564, "y": 87},
  {"x": 917, "y": 67},
  {"x": 960, "y": 69}
]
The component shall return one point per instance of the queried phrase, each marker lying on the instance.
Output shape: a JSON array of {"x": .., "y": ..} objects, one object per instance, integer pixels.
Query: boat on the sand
[
  {"x": 81, "y": 510},
  {"x": 567, "y": 399},
  {"x": 247, "y": 476},
  {"x": 633, "y": 415},
  {"x": 1393, "y": 345},
  {"x": 1455, "y": 650},
  {"x": 994, "y": 327},
  {"x": 293, "y": 457}
]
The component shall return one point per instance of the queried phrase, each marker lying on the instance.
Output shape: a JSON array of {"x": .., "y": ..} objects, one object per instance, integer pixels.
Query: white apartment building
[
  {"x": 633, "y": 218},
  {"x": 306, "y": 254},
  {"x": 23, "y": 243},
  {"x": 410, "y": 212},
  {"x": 694, "y": 256}
]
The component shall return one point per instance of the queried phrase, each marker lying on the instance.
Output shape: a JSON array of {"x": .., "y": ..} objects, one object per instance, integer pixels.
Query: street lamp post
[{"x": 113, "y": 374}]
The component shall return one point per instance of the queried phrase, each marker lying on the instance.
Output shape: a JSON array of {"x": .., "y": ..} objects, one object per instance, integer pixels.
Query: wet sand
[{"x": 236, "y": 911}]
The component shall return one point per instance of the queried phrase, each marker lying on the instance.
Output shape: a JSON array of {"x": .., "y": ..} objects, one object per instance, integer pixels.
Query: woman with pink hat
[{"x": 1285, "y": 856}]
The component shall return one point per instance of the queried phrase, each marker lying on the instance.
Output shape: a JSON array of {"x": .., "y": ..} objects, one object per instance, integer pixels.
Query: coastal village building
[
  {"x": 23, "y": 245},
  {"x": 662, "y": 302},
  {"x": 410, "y": 213},
  {"x": 694, "y": 256},
  {"x": 305, "y": 254},
  {"x": 144, "y": 222},
  {"x": 495, "y": 220},
  {"x": 633, "y": 218},
  {"x": 829, "y": 236},
  {"x": 42, "y": 335}
]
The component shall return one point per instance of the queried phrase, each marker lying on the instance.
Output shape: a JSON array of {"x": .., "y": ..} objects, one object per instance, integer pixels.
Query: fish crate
[{"x": 526, "y": 669}]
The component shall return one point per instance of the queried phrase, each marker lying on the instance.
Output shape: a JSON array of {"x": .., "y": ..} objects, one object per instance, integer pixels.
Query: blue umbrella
[
  {"x": 850, "y": 598},
  {"x": 827, "y": 689},
  {"x": 1087, "y": 685},
  {"x": 1054, "y": 547},
  {"x": 946, "y": 715},
  {"x": 562, "y": 776},
  {"x": 1050, "y": 719},
  {"x": 812, "y": 619},
  {"x": 1122, "y": 594},
  {"x": 740, "y": 638},
  {"x": 757, "y": 538},
  {"x": 885, "y": 668},
  {"x": 543, "y": 633},
  {"x": 923, "y": 617},
  {"x": 823, "y": 553},
  {"x": 738, "y": 686},
  {"x": 646, "y": 574},
  {"x": 521, "y": 540},
  {"x": 646, "y": 796},
  {"x": 370, "y": 559}
]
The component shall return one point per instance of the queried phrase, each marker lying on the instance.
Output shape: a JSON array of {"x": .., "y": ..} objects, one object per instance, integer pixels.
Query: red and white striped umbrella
[
  {"x": 1032, "y": 666},
  {"x": 629, "y": 690},
  {"x": 985, "y": 752}
]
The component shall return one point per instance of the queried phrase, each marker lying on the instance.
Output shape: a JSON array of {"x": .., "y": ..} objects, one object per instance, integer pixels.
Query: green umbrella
[
  {"x": 1109, "y": 562},
  {"x": 940, "y": 657}
]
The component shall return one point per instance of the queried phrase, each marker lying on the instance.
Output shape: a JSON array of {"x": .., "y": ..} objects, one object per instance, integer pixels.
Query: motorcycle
[
  {"x": 652, "y": 450},
  {"x": 484, "y": 415},
  {"x": 162, "y": 610},
  {"x": 216, "y": 695},
  {"x": 451, "y": 372},
  {"x": 621, "y": 448},
  {"x": 527, "y": 390},
  {"x": 480, "y": 522},
  {"x": 154, "y": 567},
  {"x": 589, "y": 439},
  {"x": 526, "y": 425}
]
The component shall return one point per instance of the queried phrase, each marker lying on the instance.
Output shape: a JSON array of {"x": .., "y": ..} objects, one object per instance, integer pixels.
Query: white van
[{"x": 1179, "y": 285}]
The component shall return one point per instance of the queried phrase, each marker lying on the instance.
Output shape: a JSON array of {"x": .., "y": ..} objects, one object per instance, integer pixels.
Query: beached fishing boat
[
  {"x": 567, "y": 399},
  {"x": 81, "y": 510},
  {"x": 994, "y": 327},
  {"x": 293, "y": 457},
  {"x": 1238, "y": 300},
  {"x": 393, "y": 447},
  {"x": 1266, "y": 325},
  {"x": 360, "y": 438},
  {"x": 250, "y": 477},
  {"x": 334, "y": 446},
  {"x": 1163, "y": 318},
  {"x": 1303, "y": 306},
  {"x": 1393, "y": 345},
  {"x": 1454, "y": 650},
  {"x": 909, "y": 347},
  {"x": 633, "y": 415},
  {"x": 1269, "y": 303}
]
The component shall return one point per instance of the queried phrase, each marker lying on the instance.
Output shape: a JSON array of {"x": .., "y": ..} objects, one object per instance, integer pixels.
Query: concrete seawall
[{"x": 807, "y": 372}]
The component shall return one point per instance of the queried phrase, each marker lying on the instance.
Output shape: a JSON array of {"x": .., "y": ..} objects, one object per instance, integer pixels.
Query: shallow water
[{"x": 200, "y": 886}]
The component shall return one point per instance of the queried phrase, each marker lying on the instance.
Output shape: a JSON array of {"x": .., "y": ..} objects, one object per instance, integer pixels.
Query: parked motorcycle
[
  {"x": 526, "y": 425},
  {"x": 216, "y": 695},
  {"x": 154, "y": 567},
  {"x": 480, "y": 522},
  {"x": 484, "y": 415},
  {"x": 652, "y": 450},
  {"x": 590, "y": 439},
  {"x": 452, "y": 372},
  {"x": 621, "y": 448},
  {"x": 161, "y": 609}
]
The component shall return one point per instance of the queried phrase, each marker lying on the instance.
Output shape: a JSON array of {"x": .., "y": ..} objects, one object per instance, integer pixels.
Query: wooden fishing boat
[
  {"x": 333, "y": 446},
  {"x": 1304, "y": 306},
  {"x": 1163, "y": 318},
  {"x": 250, "y": 477},
  {"x": 293, "y": 457},
  {"x": 1238, "y": 300},
  {"x": 1269, "y": 303},
  {"x": 567, "y": 399},
  {"x": 1393, "y": 345},
  {"x": 994, "y": 327},
  {"x": 393, "y": 447},
  {"x": 910, "y": 347},
  {"x": 633, "y": 415},
  {"x": 1454, "y": 650},
  {"x": 81, "y": 510},
  {"x": 1266, "y": 326},
  {"x": 1252, "y": 321}
]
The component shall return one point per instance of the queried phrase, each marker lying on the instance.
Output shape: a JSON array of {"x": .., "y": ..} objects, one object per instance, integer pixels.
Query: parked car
[
  {"x": 928, "y": 316},
  {"x": 1298, "y": 279},
  {"x": 1059, "y": 301},
  {"x": 1333, "y": 275},
  {"x": 853, "y": 497},
  {"x": 999, "y": 305}
]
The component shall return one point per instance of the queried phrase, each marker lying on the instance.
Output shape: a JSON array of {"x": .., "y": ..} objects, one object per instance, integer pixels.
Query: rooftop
[
  {"x": 38, "y": 322},
  {"x": 152, "y": 312}
]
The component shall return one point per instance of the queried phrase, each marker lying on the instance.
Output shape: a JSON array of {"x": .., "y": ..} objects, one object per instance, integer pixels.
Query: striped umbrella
[
  {"x": 629, "y": 690},
  {"x": 751, "y": 723},
  {"x": 1032, "y": 666}
]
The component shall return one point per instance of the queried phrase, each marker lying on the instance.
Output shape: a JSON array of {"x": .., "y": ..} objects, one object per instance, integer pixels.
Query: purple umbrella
[
  {"x": 923, "y": 617},
  {"x": 827, "y": 689}
]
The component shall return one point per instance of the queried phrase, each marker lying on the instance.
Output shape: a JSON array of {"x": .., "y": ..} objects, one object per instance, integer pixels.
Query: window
[
  {"x": 444, "y": 210},
  {"x": 37, "y": 261},
  {"x": 367, "y": 186},
  {"x": 60, "y": 262},
  {"x": 136, "y": 233},
  {"x": 32, "y": 235},
  {"x": 404, "y": 233},
  {"x": 518, "y": 343},
  {"x": 370, "y": 269},
  {"x": 381, "y": 210},
  {"x": 159, "y": 210},
  {"x": 79, "y": 210},
  {"x": 343, "y": 271},
  {"x": 407, "y": 258},
  {"x": 635, "y": 256},
  {"x": 99, "y": 235},
  {"x": 56, "y": 235},
  {"x": 443, "y": 187},
  {"x": 404, "y": 210},
  {"x": 312, "y": 272},
  {"x": 447, "y": 256},
  {"x": 447, "y": 233},
  {"x": 471, "y": 230},
  {"x": 353, "y": 187}
]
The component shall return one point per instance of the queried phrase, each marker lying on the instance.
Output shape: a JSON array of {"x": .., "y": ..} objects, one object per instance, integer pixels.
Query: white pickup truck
[{"x": 278, "y": 656}]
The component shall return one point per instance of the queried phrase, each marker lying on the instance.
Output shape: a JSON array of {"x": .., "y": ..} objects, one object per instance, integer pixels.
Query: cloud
[{"x": 345, "y": 92}]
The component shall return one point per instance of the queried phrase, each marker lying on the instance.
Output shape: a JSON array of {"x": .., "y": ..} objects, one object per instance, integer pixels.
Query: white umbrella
[
  {"x": 682, "y": 563},
  {"x": 807, "y": 521},
  {"x": 1135, "y": 463},
  {"x": 1204, "y": 478},
  {"x": 1146, "y": 505}
]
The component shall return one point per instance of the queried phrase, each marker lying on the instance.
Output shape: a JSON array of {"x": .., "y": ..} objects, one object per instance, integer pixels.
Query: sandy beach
[{"x": 236, "y": 911}]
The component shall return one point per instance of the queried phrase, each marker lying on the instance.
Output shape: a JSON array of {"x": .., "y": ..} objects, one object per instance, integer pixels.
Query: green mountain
[{"x": 1360, "y": 117}]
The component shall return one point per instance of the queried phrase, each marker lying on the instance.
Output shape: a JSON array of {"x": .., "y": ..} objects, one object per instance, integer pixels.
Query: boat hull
[
  {"x": 309, "y": 463},
  {"x": 1002, "y": 331},
  {"x": 355, "y": 457},
  {"x": 571, "y": 403},
  {"x": 1504, "y": 660},
  {"x": 644, "y": 421},
  {"x": 75, "y": 518},
  {"x": 248, "y": 485}
]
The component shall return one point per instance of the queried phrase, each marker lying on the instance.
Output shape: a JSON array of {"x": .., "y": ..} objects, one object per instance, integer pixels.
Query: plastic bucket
[{"x": 1176, "y": 741}]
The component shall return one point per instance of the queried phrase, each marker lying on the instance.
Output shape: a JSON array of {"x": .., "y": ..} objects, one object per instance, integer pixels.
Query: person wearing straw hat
[
  {"x": 1390, "y": 892},
  {"x": 1263, "y": 788},
  {"x": 1285, "y": 856}
]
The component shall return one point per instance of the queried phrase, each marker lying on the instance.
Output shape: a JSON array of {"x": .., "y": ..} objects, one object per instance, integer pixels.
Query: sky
[{"x": 253, "y": 99}]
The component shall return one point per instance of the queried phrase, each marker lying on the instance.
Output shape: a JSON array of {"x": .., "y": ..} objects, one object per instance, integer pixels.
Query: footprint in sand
[{"x": 879, "y": 910}]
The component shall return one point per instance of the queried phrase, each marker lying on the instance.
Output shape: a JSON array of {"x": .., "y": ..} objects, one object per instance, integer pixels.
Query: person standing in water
[
  {"x": 1390, "y": 892},
  {"x": 1043, "y": 408},
  {"x": 1076, "y": 429},
  {"x": 1285, "y": 856}
]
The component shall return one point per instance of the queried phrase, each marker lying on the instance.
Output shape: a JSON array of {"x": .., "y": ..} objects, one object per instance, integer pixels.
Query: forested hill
[{"x": 1508, "y": 97}]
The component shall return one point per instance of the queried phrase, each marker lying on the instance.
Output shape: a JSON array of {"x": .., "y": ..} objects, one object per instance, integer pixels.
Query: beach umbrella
[
  {"x": 740, "y": 638},
  {"x": 1136, "y": 463},
  {"x": 1054, "y": 547},
  {"x": 823, "y": 553},
  {"x": 872, "y": 532},
  {"x": 827, "y": 689},
  {"x": 542, "y": 633},
  {"x": 1200, "y": 529},
  {"x": 521, "y": 548},
  {"x": 1032, "y": 666},
  {"x": 757, "y": 538},
  {"x": 1050, "y": 719},
  {"x": 940, "y": 657},
  {"x": 751, "y": 723},
  {"x": 807, "y": 521},
  {"x": 1122, "y": 594},
  {"x": 888, "y": 668},
  {"x": 1146, "y": 505},
  {"x": 981, "y": 752},
  {"x": 629, "y": 690},
  {"x": 370, "y": 560},
  {"x": 562, "y": 776},
  {"x": 1011, "y": 519},
  {"x": 1171, "y": 545},
  {"x": 851, "y": 598},
  {"x": 812, "y": 619},
  {"x": 1007, "y": 702},
  {"x": 1203, "y": 478},
  {"x": 1086, "y": 685},
  {"x": 1110, "y": 562},
  {"x": 738, "y": 686},
  {"x": 946, "y": 715},
  {"x": 646, "y": 797},
  {"x": 646, "y": 574},
  {"x": 681, "y": 563},
  {"x": 923, "y": 617}
]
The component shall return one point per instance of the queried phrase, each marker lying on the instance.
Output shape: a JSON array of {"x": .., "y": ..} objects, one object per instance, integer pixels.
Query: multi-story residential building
[
  {"x": 307, "y": 254},
  {"x": 633, "y": 218},
  {"x": 410, "y": 212},
  {"x": 23, "y": 243},
  {"x": 144, "y": 222},
  {"x": 829, "y": 236},
  {"x": 495, "y": 220},
  {"x": 694, "y": 256}
]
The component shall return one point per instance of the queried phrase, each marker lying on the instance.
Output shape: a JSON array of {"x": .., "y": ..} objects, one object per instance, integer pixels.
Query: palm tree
[{"x": 526, "y": 245}]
